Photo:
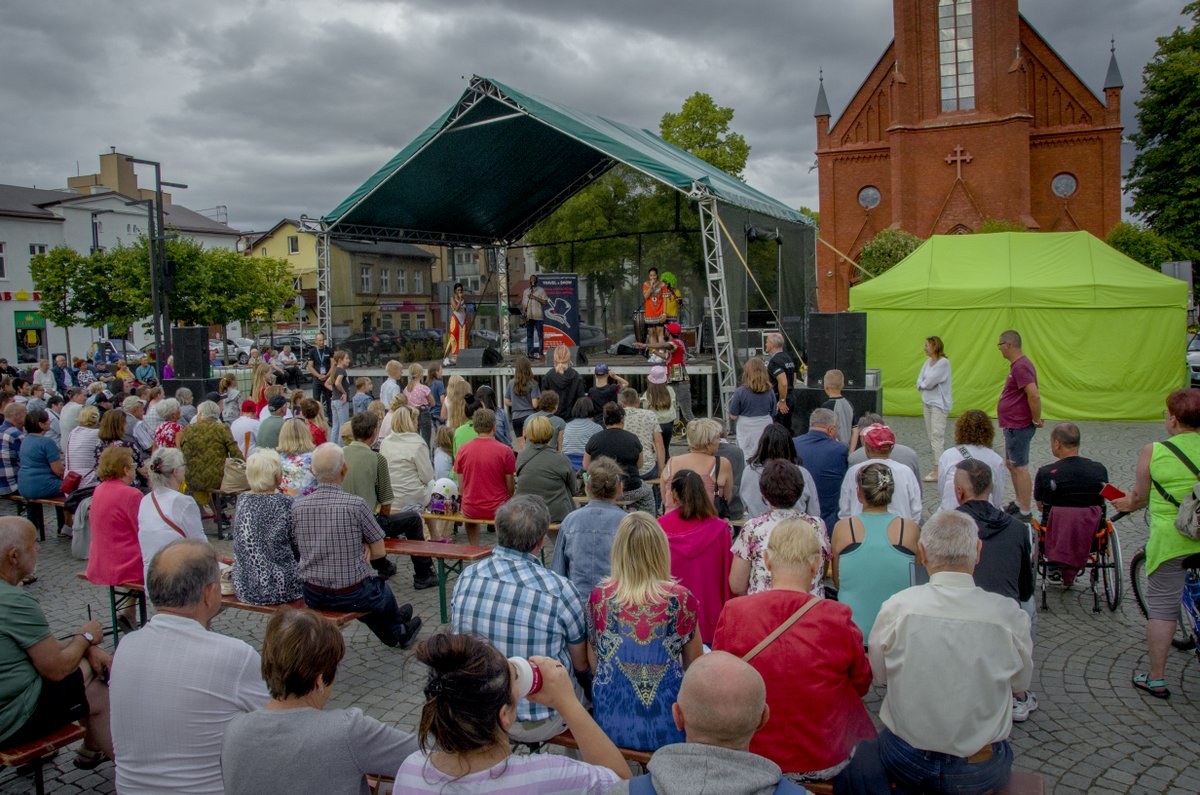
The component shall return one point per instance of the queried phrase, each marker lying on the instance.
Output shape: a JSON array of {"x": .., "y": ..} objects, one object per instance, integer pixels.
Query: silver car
[{"x": 1193, "y": 359}]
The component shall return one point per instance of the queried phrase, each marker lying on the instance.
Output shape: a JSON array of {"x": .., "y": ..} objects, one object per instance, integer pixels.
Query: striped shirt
[
  {"x": 538, "y": 774},
  {"x": 523, "y": 609}
]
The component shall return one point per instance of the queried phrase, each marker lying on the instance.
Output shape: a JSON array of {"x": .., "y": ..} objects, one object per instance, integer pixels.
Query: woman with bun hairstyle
[{"x": 471, "y": 702}]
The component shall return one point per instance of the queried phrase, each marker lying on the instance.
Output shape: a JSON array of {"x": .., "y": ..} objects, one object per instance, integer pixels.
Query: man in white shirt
[
  {"x": 245, "y": 429},
  {"x": 878, "y": 440},
  {"x": 175, "y": 685},
  {"x": 951, "y": 655},
  {"x": 901, "y": 453}
]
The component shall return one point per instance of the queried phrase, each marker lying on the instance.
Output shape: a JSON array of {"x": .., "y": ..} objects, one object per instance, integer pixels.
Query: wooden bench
[
  {"x": 1019, "y": 783},
  {"x": 35, "y": 752},
  {"x": 228, "y": 600},
  {"x": 117, "y": 593},
  {"x": 35, "y": 514},
  {"x": 567, "y": 740},
  {"x": 449, "y": 557}
]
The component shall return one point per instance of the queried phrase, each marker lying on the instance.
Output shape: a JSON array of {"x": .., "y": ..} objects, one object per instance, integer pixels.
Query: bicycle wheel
[
  {"x": 1110, "y": 571},
  {"x": 1183, "y": 639}
]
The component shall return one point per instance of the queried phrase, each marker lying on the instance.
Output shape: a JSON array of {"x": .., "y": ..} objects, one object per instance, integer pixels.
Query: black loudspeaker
[
  {"x": 811, "y": 397},
  {"x": 199, "y": 386},
  {"x": 578, "y": 357},
  {"x": 189, "y": 346},
  {"x": 838, "y": 341},
  {"x": 479, "y": 357}
]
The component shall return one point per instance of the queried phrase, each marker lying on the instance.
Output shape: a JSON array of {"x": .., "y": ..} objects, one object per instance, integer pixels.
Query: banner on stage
[{"x": 562, "y": 313}]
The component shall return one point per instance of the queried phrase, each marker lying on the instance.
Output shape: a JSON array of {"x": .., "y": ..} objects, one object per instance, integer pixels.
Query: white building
[{"x": 33, "y": 221}]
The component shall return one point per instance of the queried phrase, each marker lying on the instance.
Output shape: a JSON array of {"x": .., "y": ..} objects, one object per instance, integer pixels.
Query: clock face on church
[
  {"x": 1064, "y": 185},
  {"x": 869, "y": 197}
]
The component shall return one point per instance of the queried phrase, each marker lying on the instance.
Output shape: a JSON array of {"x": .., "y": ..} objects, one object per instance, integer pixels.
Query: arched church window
[
  {"x": 956, "y": 55},
  {"x": 869, "y": 197},
  {"x": 1064, "y": 185}
]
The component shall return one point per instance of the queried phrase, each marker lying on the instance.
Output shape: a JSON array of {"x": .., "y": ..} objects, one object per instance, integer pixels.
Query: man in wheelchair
[{"x": 1067, "y": 493}]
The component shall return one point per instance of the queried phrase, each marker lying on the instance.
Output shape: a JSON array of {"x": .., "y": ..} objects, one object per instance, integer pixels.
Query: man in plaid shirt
[
  {"x": 10, "y": 446},
  {"x": 523, "y": 608},
  {"x": 331, "y": 528}
]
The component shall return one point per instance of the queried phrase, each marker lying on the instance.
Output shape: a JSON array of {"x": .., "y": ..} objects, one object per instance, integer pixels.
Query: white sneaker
[{"x": 1022, "y": 708}]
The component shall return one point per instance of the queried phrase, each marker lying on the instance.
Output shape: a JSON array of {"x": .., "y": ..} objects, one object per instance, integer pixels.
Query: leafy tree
[
  {"x": 113, "y": 287},
  {"x": 1165, "y": 176},
  {"x": 53, "y": 276},
  {"x": 808, "y": 212},
  {"x": 702, "y": 128},
  {"x": 886, "y": 249},
  {"x": 1142, "y": 244},
  {"x": 992, "y": 225}
]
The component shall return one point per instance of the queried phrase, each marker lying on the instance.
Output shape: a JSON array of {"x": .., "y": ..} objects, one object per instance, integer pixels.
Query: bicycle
[{"x": 1187, "y": 628}]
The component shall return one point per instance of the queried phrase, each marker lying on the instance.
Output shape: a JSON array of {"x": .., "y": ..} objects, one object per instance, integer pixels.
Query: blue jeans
[
  {"x": 340, "y": 415},
  {"x": 534, "y": 327},
  {"x": 915, "y": 771},
  {"x": 384, "y": 617}
]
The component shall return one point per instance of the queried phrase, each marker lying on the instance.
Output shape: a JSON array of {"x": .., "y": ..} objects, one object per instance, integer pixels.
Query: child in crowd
[
  {"x": 443, "y": 453},
  {"x": 362, "y": 395},
  {"x": 833, "y": 382},
  {"x": 311, "y": 411}
]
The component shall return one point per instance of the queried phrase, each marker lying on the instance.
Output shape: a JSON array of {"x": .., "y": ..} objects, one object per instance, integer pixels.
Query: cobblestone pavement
[{"x": 1092, "y": 732}]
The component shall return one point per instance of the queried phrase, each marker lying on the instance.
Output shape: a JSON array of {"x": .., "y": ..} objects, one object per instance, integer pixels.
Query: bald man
[
  {"x": 176, "y": 685},
  {"x": 46, "y": 683},
  {"x": 722, "y": 703}
]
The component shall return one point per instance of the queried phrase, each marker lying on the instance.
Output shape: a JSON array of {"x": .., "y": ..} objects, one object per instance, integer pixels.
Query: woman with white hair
[
  {"x": 295, "y": 458},
  {"x": 703, "y": 438},
  {"x": 169, "y": 427},
  {"x": 81, "y": 446},
  {"x": 264, "y": 564},
  {"x": 166, "y": 514}
]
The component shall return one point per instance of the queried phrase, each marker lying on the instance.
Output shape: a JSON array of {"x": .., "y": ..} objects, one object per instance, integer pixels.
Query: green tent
[{"x": 1106, "y": 333}]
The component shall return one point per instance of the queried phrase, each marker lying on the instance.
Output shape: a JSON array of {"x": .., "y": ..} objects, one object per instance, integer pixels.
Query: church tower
[{"x": 968, "y": 116}]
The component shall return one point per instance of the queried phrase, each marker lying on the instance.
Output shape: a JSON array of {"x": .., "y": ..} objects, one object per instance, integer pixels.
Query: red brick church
[{"x": 968, "y": 116}]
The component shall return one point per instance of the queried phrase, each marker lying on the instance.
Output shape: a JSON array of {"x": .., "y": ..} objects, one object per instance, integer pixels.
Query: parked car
[
  {"x": 109, "y": 350},
  {"x": 1193, "y": 359},
  {"x": 299, "y": 344},
  {"x": 369, "y": 347}
]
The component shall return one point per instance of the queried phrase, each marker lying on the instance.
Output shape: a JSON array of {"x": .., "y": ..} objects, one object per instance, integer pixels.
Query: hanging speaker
[{"x": 189, "y": 346}]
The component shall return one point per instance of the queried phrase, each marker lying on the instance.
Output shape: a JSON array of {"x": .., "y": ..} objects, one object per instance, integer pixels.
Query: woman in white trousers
[{"x": 934, "y": 384}]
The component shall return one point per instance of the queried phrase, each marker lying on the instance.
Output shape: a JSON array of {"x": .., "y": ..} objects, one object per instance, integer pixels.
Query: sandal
[
  {"x": 89, "y": 758},
  {"x": 1155, "y": 687}
]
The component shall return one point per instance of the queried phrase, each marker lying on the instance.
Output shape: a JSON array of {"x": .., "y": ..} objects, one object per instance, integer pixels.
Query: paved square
[{"x": 1092, "y": 732}]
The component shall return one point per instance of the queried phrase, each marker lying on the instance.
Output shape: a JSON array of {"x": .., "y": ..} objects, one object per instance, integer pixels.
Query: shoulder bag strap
[
  {"x": 170, "y": 524},
  {"x": 962, "y": 450},
  {"x": 779, "y": 630},
  {"x": 1187, "y": 462},
  {"x": 854, "y": 540}
]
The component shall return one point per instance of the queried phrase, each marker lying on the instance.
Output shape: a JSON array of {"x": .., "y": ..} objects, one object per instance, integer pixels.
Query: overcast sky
[{"x": 278, "y": 107}]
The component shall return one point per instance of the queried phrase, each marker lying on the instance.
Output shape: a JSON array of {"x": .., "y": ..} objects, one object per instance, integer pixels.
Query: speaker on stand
[{"x": 189, "y": 346}]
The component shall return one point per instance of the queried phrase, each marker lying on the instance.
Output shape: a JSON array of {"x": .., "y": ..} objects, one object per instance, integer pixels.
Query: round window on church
[
  {"x": 1064, "y": 185},
  {"x": 869, "y": 197}
]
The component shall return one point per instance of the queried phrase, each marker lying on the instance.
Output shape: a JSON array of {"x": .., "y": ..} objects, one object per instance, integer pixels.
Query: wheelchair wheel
[
  {"x": 1183, "y": 640},
  {"x": 1109, "y": 561}
]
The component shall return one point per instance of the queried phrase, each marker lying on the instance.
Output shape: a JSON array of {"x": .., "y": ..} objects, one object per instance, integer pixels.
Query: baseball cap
[
  {"x": 602, "y": 369},
  {"x": 674, "y": 329},
  {"x": 276, "y": 403},
  {"x": 880, "y": 437},
  {"x": 247, "y": 405},
  {"x": 130, "y": 403},
  {"x": 658, "y": 374}
]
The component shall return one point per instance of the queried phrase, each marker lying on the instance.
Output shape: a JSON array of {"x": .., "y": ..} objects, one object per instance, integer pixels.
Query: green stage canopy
[
  {"x": 1106, "y": 333},
  {"x": 498, "y": 161}
]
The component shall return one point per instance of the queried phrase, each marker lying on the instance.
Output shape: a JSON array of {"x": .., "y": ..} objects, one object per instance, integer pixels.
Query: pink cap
[{"x": 879, "y": 437}]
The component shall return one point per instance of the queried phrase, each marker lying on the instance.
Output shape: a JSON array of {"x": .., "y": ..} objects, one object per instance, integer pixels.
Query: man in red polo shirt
[{"x": 486, "y": 472}]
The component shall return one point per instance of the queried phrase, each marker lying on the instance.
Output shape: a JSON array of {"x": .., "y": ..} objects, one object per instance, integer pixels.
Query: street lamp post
[{"x": 158, "y": 297}]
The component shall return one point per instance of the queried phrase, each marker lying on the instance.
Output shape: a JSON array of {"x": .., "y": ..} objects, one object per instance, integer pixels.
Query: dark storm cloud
[{"x": 276, "y": 108}]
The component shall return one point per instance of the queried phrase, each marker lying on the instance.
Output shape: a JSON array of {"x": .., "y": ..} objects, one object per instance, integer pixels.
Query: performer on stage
[
  {"x": 653, "y": 291},
  {"x": 673, "y": 296},
  {"x": 457, "y": 340},
  {"x": 533, "y": 303}
]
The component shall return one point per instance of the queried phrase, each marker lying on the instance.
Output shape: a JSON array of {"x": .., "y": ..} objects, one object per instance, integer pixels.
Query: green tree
[
  {"x": 53, "y": 275},
  {"x": 112, "y": 288},
  {"x": 1165, "y": 176},
  {"x": 702, "y": 128},
  {"x": 992, "y": 225},
  {"x": 886, "y": 249},
  {"x": 1139, "y": 243},
  {"x": 812, "y": 214}
]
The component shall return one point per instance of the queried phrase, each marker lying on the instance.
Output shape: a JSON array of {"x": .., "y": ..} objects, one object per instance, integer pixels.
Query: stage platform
[{"x": 704, "y": 366}]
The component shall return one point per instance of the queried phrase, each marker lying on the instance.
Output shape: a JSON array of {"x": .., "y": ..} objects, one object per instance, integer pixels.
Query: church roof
[
  {"x": 1113, "y": 78},
  {"x": 822, "y": 107}
]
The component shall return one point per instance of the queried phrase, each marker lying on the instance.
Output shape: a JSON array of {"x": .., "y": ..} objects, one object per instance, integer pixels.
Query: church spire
[
  {"x": 822, "y": 107},
  {"x": 1113, "y": 78}
]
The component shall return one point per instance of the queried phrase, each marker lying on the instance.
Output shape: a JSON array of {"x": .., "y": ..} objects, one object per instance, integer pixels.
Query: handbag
[
  {"x": 721, "y": 504},
  {"x": 1187, "y": 517},
  {"x": 234, "y": 481},
  {"x": 70, "y": 482},
  {"x": 779, "y": 630}
]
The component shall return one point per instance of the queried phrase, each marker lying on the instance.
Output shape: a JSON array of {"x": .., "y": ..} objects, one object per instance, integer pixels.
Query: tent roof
[
  {"x": 1018, "y": 269},
  {"x": 498, "y": 161}
]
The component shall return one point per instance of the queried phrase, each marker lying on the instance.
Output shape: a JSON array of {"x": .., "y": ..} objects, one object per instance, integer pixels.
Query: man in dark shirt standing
[
  {"x": 1019, "y": 411},
  {"x": 825, "y": 459},
  {"x": 320, "y": 365},
  {"x": 782, "y": 370}
]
